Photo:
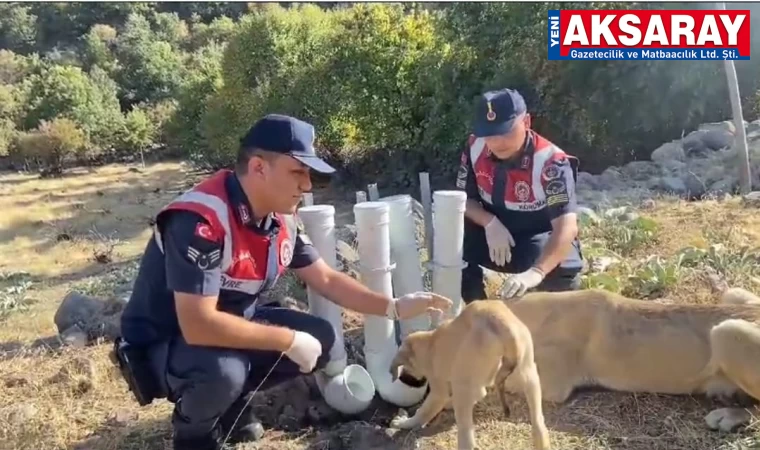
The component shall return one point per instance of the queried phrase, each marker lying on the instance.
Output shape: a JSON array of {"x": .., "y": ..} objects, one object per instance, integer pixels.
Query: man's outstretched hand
[{"x": 416, "y": 303}]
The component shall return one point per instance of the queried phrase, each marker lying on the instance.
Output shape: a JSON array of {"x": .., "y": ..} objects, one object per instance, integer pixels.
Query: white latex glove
[
  {"x": 304, "y": 351},
  {"x": 416, "y": 303},
  {"x": 517, "y": 284},
  {"x": 499, "y": 242}
]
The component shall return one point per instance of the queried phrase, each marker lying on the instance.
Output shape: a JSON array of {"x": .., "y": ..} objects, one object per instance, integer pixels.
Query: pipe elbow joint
[
  {"x": 396, "y": 392},
  {"x": 349, "y": 391}
]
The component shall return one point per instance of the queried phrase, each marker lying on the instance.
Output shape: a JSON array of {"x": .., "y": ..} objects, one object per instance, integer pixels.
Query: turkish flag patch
[{"x": 204, "y": 231}]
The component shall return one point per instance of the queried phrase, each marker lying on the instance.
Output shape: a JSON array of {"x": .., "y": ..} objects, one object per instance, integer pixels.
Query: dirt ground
[{"x": 86, "y": 231}]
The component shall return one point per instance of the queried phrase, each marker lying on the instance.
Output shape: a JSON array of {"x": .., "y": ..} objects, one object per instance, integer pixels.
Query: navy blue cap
[
  {"x": 496, "y": 112},
  {"x": 287, "y": 135}
]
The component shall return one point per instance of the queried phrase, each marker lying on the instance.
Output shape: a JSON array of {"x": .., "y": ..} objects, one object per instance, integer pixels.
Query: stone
[
  {"x": 74, "y": 337},
  {"x": 588, "y": 212},
  {"x": 648, "y": 204},
  {"x": 19, "y": 413},
  {"x": 586, "y": 180},
  {"x": 602, "y": 263},
  {"x": 726, "y": 126},
  {"x": 122, "y": 417},
  {"x": 673, "y": 185},
  {"x": 669, "y": 151},
  {"x": 77, "y": 309},
  {"x": 610, "y": 178},
  {"x": 752, "y": 199}
]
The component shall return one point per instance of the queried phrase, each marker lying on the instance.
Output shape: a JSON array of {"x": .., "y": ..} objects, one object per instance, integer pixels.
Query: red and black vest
[
  {"x": 251, "y": 262},
  {"x": 526, "y": 185}
]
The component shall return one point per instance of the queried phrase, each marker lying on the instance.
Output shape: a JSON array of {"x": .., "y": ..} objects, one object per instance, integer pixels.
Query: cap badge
[{"x": 491, "y": 115}]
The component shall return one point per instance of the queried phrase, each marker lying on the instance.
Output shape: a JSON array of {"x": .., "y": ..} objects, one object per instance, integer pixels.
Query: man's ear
[
  {"x": 257, "y": 165},
  {"x": 527, "y": 120}
]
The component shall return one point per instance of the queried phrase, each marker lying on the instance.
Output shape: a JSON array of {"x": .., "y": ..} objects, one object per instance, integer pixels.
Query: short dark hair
[{"x": 246, "y": 153}]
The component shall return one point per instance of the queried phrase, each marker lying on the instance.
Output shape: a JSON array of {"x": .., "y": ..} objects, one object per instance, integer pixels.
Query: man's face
[
  {"x": 507, "y": 145},
  {"x": 283, "y": 181}
]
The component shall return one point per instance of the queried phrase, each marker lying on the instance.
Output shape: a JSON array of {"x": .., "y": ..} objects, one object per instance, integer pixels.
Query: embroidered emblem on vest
[
  {"x": 522, "y": 191},
  {"x": 551, "y": 172},
  {"x": 286, "y": 252}
]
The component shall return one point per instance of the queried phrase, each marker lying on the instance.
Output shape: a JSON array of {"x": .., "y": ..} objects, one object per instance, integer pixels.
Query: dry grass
[{"x": 74, "y": 399}]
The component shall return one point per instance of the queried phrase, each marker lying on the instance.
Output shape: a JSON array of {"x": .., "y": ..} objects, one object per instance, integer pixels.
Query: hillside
[{"x": 84, "y": 233}]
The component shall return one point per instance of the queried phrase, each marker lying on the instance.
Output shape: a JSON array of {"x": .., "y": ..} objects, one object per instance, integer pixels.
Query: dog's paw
[
  {"x": 403, "y": 422},
  {"x": 727, "y": 419}
]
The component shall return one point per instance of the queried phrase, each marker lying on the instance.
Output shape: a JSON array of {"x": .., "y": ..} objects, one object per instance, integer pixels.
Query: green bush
[
  {"x": 49, "y": 146},
  {"x": 67, "y": 91}
]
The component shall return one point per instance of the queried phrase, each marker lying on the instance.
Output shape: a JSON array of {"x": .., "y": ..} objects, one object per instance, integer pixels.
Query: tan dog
[
  {"x": 597, "y": 338},
  {"x": 483, "y": 345}
]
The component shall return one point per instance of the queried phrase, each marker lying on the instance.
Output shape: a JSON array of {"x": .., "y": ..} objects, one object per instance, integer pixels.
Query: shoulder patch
[
  {"x": 204, "y": 231},
  {"x": 204, "y": 260}
]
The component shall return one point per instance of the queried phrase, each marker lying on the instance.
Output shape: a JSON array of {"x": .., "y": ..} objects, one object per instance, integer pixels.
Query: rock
[
  {"x": 752, "y": 199},
  {"x": 602, "y": 263},
  {"x": 717, "y": 140},
  {"x": 673, "y": 185},
  {"x": 16, "y": 382},
  {"x": 19, "y": 413},
  {"x": 695, "y": 187},
  {"x": 74, "y": 337},
  {"x": 648, "y": 204},
  {"x": 726, "y": 126},
  {"x": 753, "y": 126},
  {"x": 722, "y": 187},
  {"x": 640, "y": 170},
  {"x": 288, "y": 419},
  {"x": 610, "y": 178},
  {"x": 628, "y": 217},
  {"x": 669, "y": 151},
  {"x": 586, "y": 181},
  {"x": 588, "y": 212},
  {"x": 122, "y": 417},
  {"x": 76, "y": 309}
]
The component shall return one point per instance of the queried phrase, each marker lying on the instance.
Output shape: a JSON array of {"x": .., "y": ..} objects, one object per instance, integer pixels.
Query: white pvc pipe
[
  {"x": 346, "y": 388},
  {"x": 372, "y": 226},
  {"x": 448, "y": 242},
  {"x": 407, "y": 276}
]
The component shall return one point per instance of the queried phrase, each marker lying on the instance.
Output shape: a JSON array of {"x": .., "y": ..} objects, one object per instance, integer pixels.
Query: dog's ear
[{"x": 402, "y": 358}]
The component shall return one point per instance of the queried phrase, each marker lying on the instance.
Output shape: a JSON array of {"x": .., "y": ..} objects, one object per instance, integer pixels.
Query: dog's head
[{"x": 410, "y": 358}]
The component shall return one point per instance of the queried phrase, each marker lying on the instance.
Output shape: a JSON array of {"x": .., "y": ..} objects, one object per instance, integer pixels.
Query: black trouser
[
  {"x": 204, "y": 382},
  {"x": 565, "y": 277}
]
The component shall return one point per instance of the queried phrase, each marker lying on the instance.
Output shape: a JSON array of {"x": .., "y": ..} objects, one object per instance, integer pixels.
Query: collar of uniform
[
  {"x": 242, "y": 209},
  {"x": 522, "y": 158}
]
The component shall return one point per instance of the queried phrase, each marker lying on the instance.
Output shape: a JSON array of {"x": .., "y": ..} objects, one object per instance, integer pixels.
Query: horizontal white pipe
[
  {"x": 348, "y": 389},
  {"x": 372, "y": 226},
  {"x": 448, "y": 242},
  {"x": 407, "y": 276}
]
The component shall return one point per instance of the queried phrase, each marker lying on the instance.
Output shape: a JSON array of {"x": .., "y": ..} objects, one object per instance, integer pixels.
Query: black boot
[
  {"x": 211, "y": 441},
  {"x": 248, "y": 427}
]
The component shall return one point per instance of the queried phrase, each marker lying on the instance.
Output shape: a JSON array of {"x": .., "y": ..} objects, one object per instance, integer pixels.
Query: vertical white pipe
[
  {"x": 427, "y": 204},
  {"x": 373, "y": 192},
  {"x": 307, "y": 198},
  {"x": 407, "y": 276},
  {"x": 373, "y": 230},
  {"x": 448, "y": 242},
  {"x": 347, "y": 388},
  {"x": 361, "y": 196}
]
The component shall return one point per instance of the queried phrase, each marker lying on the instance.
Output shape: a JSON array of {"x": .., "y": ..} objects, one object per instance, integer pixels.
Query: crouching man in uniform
[
  {"x": 521, "y": 205},
  {"x": 193, "y": 316}
]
